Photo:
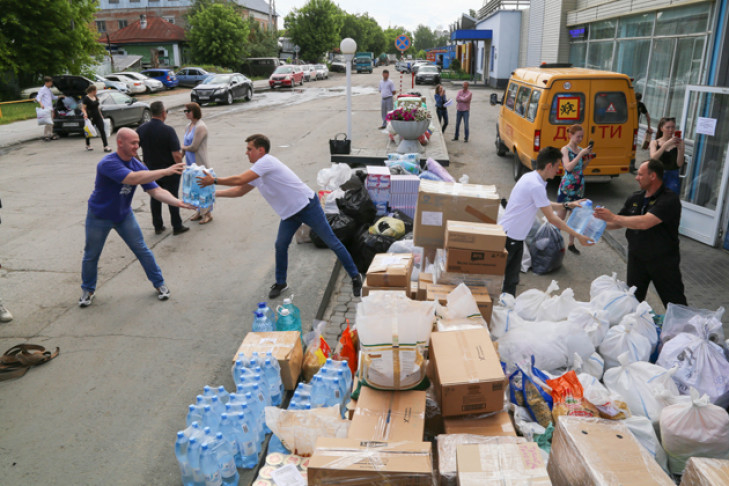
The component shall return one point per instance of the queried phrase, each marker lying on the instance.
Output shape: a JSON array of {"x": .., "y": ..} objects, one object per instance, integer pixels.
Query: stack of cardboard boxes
[
  {"x": 389, "y": 271},
  {"x": 404, "y": 193}
]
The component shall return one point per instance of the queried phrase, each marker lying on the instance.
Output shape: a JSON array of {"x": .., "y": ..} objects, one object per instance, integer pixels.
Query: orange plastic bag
[
  {"x": 347, "y": 350},
  {"x": 567, "y": 395}
]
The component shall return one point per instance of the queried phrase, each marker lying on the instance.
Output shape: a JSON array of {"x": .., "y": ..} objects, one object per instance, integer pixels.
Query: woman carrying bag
[
  {"x": 195, "y": 149},
  {"x": 92, "y": 113}
]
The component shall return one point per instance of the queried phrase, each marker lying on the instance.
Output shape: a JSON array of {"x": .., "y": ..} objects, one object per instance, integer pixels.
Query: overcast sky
[{"x": 408, "y": 13}]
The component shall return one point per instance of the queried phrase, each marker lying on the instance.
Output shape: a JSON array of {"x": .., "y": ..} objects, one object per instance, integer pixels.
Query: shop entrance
[{"x": 703, "y": 184}]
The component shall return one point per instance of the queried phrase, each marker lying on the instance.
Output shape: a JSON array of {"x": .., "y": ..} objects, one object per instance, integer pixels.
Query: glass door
[{"x": 703, "y": 185}]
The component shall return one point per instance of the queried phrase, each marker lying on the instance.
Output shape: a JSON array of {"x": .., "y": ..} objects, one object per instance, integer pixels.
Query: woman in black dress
[{"x": 92, "y": 111}]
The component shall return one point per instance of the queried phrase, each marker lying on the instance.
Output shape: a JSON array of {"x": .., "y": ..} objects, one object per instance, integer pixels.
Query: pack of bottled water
[
  {"x": 192, "y": 193},
  {"x": 583, "y": 221}
]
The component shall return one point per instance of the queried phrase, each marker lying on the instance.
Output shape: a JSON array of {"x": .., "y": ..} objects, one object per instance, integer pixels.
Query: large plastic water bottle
[
  {"x": 260, "y": 323},
  {"x": 228, "y": 430},
  {"x": 273, "y": 377},
  {"x": 267, "y": 311},
  {"x": 225, "y": 455},
  {"x": 223, "y": 395},
  {"x": 585, "y": 223},
  {"x": 211, "y": 418},
  {"x": 345, "y": 390},
  {"x": 255, "y": 414},
  {"x": 247, "y": 442},
  {"x": 209, "y": 466},
  {"x": 194, "y": 414},
  {"x": 264, "y": 385},
  {"x": 319, "y": 392},
  {"x": 288, "y": 303},
  {"x": 193, "y": 459},
  {"x": 594, "y": 228},
  {"x": 344, "y": 366},
  {"x": 334, "y": 392},
  {"x": 285, "y": 321},
  {"x": 181, "y": 453}
]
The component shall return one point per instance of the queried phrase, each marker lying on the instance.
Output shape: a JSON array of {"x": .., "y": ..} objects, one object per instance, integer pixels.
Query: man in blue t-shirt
[{"x": 117, "y": 176}]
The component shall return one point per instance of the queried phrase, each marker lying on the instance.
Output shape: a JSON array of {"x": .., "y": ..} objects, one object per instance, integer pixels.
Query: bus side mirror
[{"x": 494, "y": 99}]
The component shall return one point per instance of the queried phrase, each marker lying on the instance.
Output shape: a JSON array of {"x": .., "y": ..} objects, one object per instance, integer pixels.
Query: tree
[
  {"x": 364, "y": 30},
  {"x": 53, "y": 39},
  {"x": 262, "y": 43},
  {"x": 219, "y": 36},
  {"x": 424, "y": 38},
  {"x": 315, "y": 28},
  {"x": 473, "y": 13}
]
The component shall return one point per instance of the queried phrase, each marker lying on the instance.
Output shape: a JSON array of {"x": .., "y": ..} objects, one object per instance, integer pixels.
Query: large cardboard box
[
  {"x": 500, "y": 464},
  {"x": 496, "y": 425},
  {"x": 480, "y": 295},
  {"x": 476, "y": 261},
  {"x": 352, "y": 461},
  {"x": 600, "y": 453},
  {"x": 389, "y": 416},
  {"x": 466, "y": 372},
  {"x": 448, "y": 448},
  {"x": 474, "y": 236},
  {"x": 285, "y": 347},
  {"x": 439, "y": 202},
  {"x": 391, "y": 270},
  {"x": 702, "y": 471},
  {"x": 367, "y": 289}
]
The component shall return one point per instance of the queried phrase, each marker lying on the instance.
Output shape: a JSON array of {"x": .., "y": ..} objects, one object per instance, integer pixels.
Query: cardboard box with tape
[
  {"x": 495, "y": 425},
  {"x": 367, "y": 289},
  {"x": 440, "y": 202},
  {"x": 388, "y": 416},
  {"x": 474, "y": 236},
  {"x": 476, "y": 261},
  {"x": 285, "y": 347},
  {"x": 499, "y": 464},
  {"x": 391, "y": 270}
]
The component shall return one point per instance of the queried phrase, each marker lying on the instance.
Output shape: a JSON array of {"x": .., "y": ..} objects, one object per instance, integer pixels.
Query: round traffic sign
[
  {"x": 297, "y": 48},
  {"x": 402, "y": 43}
]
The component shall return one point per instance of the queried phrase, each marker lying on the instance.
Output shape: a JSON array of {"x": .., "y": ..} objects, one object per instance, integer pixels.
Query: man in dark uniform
[
  {"x": 161, "y": 149},
  {"x": 651, "y": 216}
]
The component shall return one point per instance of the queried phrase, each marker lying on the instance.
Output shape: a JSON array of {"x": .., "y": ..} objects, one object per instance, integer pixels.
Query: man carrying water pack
[
  {"x": 527, "y": 197},
  {"x": 651, "y": 217},
  {"x": 293, "y": 201}
]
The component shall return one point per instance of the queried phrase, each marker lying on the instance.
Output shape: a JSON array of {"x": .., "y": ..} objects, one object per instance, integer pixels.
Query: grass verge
[{"x": 15, "y": 111}]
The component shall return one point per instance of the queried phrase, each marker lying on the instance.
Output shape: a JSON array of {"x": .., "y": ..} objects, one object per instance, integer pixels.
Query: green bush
[{"x": 455, "y": 65}]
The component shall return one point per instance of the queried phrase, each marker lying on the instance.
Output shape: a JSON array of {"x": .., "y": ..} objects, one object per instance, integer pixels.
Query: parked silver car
[
  {"x": 110, "y": 84},
  {"x": 152, "y": 84},
  {"x": 135, "y": 86},
  {"x": 322, "y": 72}
]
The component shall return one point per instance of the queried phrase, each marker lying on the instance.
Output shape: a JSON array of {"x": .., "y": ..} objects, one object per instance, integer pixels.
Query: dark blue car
[{"x": 167, "y": 76}]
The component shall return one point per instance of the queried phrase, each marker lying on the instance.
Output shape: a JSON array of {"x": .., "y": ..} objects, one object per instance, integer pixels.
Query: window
[
  {"x": 533, "y": 105},
  {"x": 610, "y": 108},
  {"x": 686, "y": 20},
  {"x": 522, "y": 98},
  {"x": 101, "y": 25},
  {"x": 636, "y": 26},
  {"x": 631, "y": 58},
  {"x": 603, "y": 30},
  {"x": 169, "y": 18},
  {"x": 686, "y": 70},
  {"x": 510, "y": 96},
  {"x": 577, "y": 54},
  {"x": 122, "y": 24},
  {"x": 567, "y": 109},
  {"x": 600, "y": 55},
  {"x": 113, "y": 1}
]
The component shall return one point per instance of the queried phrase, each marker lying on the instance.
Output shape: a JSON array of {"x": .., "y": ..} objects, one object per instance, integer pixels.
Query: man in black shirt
[
  {"x": 651, "y": 216},
  {"x": 161, "y": 149}
]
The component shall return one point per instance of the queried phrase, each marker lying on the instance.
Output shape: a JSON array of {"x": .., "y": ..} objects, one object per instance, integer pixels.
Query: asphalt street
[{"x": 107, "y": 409}]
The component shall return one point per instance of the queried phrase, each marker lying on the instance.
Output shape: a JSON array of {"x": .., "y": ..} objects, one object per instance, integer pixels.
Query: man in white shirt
[
  {"x": 45, "y": 98},
  {"x": 527, "y": 197},
  {"x": 387, "y": 91},
  {"x": 292, "y": 200}
]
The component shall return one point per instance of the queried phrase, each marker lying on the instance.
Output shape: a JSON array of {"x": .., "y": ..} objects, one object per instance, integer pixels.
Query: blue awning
[{"x": 471, "y": 34}]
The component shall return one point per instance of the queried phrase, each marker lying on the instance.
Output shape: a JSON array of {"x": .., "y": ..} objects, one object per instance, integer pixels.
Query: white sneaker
[
  {"x": 163, "y": 293},
  {"x": 5, "y": 315},
  {"x": 86, "y": 299}
]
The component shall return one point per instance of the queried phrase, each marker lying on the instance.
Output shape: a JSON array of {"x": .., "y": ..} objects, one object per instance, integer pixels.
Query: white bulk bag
[
  {"x": 593, "y": 366},
  {"x": 701, "y": 365},
  {"x": 624, "y": 339},
  {"x": 700, "y": 322},
  {"x": 606, "y": 282},
  {"x": 646, "y": 387},
  {"x": 642, "y": 322},
  {"x": 617, "y": 303},
  {"x": 528, "y": 302},
  {"x": 503, "y": 316},
  {"x": 594, "y": 322},
  {"x": 558, "y": 307},
  {"x": 695, "y": 428}
]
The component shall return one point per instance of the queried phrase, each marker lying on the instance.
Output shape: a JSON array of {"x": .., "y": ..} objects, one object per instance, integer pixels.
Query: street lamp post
[{"x": 348, "y": 47}]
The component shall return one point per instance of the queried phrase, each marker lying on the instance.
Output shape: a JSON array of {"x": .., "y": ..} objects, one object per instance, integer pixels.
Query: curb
[{"x": 616, "y": 245}]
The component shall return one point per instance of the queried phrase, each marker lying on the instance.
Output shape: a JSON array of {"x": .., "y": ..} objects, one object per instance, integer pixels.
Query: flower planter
[{"x": 410, "y": 131}]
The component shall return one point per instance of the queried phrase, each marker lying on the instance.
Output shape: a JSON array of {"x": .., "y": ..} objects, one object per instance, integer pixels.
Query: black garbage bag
[
  {"x": 404, "y": 218},
  {"x": 546, "y": 249},
  {"x": 344, "y": 228},
  {"x": 356, "y": 181},
  {"x": 357, "y": 204},
  {"x": 365, "y": 246}
]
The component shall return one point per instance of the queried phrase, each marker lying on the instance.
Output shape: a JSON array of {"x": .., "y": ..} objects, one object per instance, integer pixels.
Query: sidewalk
[{"x": 27, "y": 130}]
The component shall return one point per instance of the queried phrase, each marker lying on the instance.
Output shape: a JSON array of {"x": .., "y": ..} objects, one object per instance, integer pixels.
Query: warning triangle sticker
[{"x": 611, "y": 108}]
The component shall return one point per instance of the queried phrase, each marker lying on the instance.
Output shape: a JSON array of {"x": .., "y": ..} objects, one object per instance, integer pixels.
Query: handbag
[{"x": 340, "y": 146}]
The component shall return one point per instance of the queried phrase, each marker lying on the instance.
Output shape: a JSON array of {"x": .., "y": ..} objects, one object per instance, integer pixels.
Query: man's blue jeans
[
  {"x": 97, "y": 230},
  {"x": 462, "y": 115},
  {"x": 313, "y": 216}
]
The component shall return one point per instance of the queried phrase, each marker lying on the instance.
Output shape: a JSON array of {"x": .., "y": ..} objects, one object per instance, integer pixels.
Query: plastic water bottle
[
  {"x": 209, "y": 466},
  {"x": 264, "y": 385},
  {"x": 594, "y": 228},
  {"x": 247, "y": 442},
  {"x": 273, "y": 377},
  {"x": 255, "y": 414},
  {"x": 277, "y": 367},
  {"x": 181, "y": 453},
  {"x": 585, "y": 223},
  {"x": 289, "y": 304},
  {"x": 267, "y": 311},
  {"x": 186, "y": 174},
  {"x": 228, "y": 430},
  {"x": 225, "y": 456},
  {"x": 319, "y": 393},
  {"x": 334, "y": 391},
  {"x": 344, "y": 365},
  {"x": 261, "y": 324},
  {"x": 223, "y": 395},
  {"x": 345, "y": 390},
  {"x": 193, "y": 459},
  {"x": 211, "y": 419},
  {"x": 260, "y": 398},
  {"x": 194, "y": 414},
  {"x": 217, "y": 406}
]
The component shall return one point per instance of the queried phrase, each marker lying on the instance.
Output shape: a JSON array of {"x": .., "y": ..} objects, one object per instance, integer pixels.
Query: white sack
[
  {"x": 594, "y": 322},
  {"x": 617, "y": 303},
  {"x": 504, "y": 317},
  {"x": 44, "y": 116},
  {"x": 333, "y": 177},
  {"x": 528, "y": 302},
  {"x": 642, "y": 429},
  {"x": 700, "y": 322},
  {"x": 624, "y": 339},
  {"x": 694, "y": 429},
  {"x": 606, "y": 282},
  {"x": 642, "y": 322},
  {"x": 559, "y": 307},
  {"x": 593, "y": 366}
]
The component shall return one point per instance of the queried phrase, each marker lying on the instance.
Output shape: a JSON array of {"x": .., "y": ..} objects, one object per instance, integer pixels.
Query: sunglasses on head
[{"x": 186, "y": 111}]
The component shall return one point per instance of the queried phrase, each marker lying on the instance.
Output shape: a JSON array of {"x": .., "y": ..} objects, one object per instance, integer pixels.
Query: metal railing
[{"x": 490, "y": 6}]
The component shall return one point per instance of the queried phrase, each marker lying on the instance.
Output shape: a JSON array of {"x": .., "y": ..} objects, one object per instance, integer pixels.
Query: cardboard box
[
  {"x": 448, "y": 448},
  {"x": 476, "y": 261},
  {"x": 378, "y": 176},
  {"x": 702, "y": 471},
  {"x": 474, "y": 236},
  {"x": 466, "y": 372},
  {"x": 345, "y": 461},
  {"x": 600, "y": 453},
  {"x": 496, "y": 425},
  {"x": 439, "y": 202},
  {"x": 391, "y": 270},
  {"x": 366, "y": 289},
  {"x": 285, "y": 347},
  {"x": 389, "y": 416},
  {"x": 499, "y": 464},
  {"x": 480, "y": 295},
  {"x": 413, "y": 290},
  {"x": 424, "y": 279}
]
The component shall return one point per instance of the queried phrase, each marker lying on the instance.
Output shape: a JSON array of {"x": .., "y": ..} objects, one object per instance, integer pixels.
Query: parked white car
[
  {"x": 322, "y": 72},
  {"x": 135, "y": 86},
  {"x": 31, "y": 93},
  {"x": 152, "y": 85}
]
